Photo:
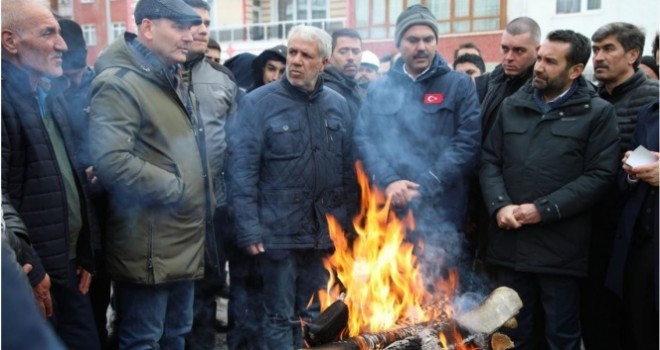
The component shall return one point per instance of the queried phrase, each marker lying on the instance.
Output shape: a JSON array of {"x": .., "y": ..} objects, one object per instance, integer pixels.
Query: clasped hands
[{"x": 515, "y": 216}]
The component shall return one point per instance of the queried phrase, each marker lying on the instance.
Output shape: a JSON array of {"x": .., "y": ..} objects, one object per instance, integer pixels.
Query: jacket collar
[
  {"x": 622, "y": 89},
  {"x": 525, "y": 96},
  {"x": 333, "y": 74},
  {"x": 438, "y": 67},
  {"x": 301, "y": 94},
  {"x": 19, "y": 79}
]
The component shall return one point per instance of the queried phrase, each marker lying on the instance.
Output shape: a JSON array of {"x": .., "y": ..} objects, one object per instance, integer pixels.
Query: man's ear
[
  {"x": 146, "y": 28},
  {"x": 633, "y": 55},
  {"x": 325, "y": 63},
  {"x": 10, "y": 40},
  {"x": 575, "y": 71}
]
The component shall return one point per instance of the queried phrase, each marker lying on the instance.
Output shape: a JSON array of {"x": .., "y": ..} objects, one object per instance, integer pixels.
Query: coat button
[
  {"x": 561, "y": 113},
  {"x": 547, "y": 209},
  {"x": 500, "y": 198},
  {"x": 285, "y": 128}
]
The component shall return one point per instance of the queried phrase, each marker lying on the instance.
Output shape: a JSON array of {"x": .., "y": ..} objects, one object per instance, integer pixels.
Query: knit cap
[{"x": 414, "y": 15}]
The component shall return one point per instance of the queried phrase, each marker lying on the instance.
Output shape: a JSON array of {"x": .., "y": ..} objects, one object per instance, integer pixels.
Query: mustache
[
  {"x": 421, "y": 55},
  {"x": 601, "y": 66}
]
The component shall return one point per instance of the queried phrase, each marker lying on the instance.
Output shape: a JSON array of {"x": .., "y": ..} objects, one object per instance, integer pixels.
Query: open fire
[{"x": 381, "y": 276}]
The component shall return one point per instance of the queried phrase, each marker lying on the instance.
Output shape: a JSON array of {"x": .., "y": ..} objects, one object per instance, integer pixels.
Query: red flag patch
[{"x": 433, "y": 99}]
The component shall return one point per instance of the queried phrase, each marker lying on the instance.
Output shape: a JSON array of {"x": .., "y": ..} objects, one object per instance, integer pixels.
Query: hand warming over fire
[
  {"x": 527, "y": 214},
  {"x": 402, "y": 192},
  {"x": 254, "y": 249},
  {"x": 506, "y": 218}
]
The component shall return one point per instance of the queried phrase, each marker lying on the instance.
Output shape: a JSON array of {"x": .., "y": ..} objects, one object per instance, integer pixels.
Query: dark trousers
[
  {"x": 99, "y": 294},
  {"x": 73, "y": 317},
  {"x": 245, "y": 308},
  {"x": 639, "y": 299},
  {"x": 202, "y": 335},
  {"x": 559, "y": 297},
  {"x": 291, "y": 278}
]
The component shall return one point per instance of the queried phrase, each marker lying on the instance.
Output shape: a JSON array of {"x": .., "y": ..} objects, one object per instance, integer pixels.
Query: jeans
[
  {"x": 291, "y": 278},
  {"x": 73, "y": 318},
  {"x": 559, "y": 298},
  {"x": 154, "y": 316}
]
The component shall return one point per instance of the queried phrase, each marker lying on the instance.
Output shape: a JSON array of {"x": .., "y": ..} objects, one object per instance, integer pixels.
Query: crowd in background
[{"x": 162, "y": 179}]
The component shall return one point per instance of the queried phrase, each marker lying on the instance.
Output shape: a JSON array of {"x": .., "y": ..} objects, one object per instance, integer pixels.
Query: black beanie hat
[
  {"x": 414, "y": 15},
  {"x": 76, "y": 55}
]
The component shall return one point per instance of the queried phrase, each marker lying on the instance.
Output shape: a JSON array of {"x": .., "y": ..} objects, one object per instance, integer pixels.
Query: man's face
[
  {"x": 273, "y": 70},
  {"x": 200, "y": 33},
  {"x": 468, "y": 68},
  {"x": 169, "y": 40},
  {"x": 213, "y": 55},
  {"x": 37, "y": 45},
  {"x": 347, "y": 56},
  {"x": 518, "y": 53},
  {"x": 552, "y": 75},
  {"x": 611, "y": 61},
  {"x": 417, "y": 48},
  {"x": 367, "y": 74},
  {"x": 303, "y": 63}
]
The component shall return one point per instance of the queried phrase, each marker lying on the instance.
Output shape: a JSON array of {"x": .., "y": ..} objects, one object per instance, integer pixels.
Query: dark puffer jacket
[
  {"x": 289, "y": 166},
  {"x": 628, "y": 99},
  {"x": 31, "y": 177},
  {"x": 562, "y": 161},
  {"x": 333, "y": 79}
]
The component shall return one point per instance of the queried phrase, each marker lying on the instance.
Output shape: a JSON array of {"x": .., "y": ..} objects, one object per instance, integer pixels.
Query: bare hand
[
  {"x": 648, "y": 173},
  {"x": 42, "y": 296},
  {"x": 254, "y": 249},
  {"x": 506, "y": 219},
  {"x": 91, "y": 176},
  {"x": 85, "y": 279},
  {"x": 627, "y": 168},
  {"x": 402, "y": 192},
  {"x": 27, "y": 268},
  {"x": 527, "y": 214}
]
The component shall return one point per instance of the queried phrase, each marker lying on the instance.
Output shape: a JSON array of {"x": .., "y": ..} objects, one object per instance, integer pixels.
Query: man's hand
[
  {"x": 91, "y": 176},
  {"x": 254, "y": 249},
  {"x": 85, "y": 279},
  {"x": 402, "y": 192},
  {"x": 648, "y": 173},
  {"x": 527, "y": 214},
  {"x": 506, "y": 219},
  {"x": 27, "y": 268},
  {"x": 627, "y": 168},
  {"x": 42, "y": 296}
]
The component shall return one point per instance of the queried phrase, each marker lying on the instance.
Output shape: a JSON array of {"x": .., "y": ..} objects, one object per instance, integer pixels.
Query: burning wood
[{"x": 499, "y": 307}]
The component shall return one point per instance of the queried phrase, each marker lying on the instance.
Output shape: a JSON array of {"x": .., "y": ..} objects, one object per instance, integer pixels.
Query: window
[
  {"x": 576, "y": 6},
  {"x": 118, "y": 30},
  {"x": 454, "y": 16},
  {"x": 300, "y": 10},
  {"x": 89, "y": 32},
  {"x": 86, "y": 1}
]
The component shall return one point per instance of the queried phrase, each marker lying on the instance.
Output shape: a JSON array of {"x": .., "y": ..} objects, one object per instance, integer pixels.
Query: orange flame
[{"x": 379, "y": 271}]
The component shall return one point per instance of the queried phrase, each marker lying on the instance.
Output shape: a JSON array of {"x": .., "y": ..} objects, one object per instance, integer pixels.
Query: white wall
[{"x": 642, "y": 13}]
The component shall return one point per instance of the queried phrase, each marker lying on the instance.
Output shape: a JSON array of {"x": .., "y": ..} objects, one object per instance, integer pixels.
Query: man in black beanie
[
  {"x": 418, "y": 136},
  {"x": 268, "y": 66}
]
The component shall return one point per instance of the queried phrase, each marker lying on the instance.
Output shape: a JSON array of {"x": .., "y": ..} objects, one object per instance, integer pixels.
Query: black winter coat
[
  {"x": 562, "y": 162},
  {"x": 289, "y": 166},
  {"x": 628, "y": 99},
  {"x": 32, "y": 179}
]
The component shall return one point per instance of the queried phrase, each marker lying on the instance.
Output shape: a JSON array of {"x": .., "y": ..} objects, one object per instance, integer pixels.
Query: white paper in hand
[{"x": 641, "y": 156}]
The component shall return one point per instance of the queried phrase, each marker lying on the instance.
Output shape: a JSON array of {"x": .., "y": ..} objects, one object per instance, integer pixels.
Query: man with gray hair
[
  {"x": 289, "y": 167},
  {"x": 617, "y": 50},
  {"x": 42, "y": 175}
]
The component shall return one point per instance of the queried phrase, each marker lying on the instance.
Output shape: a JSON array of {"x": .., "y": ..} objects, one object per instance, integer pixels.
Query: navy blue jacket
[
  {"x": 33, "y": 181},
  {"x": 426, "y": 131},
  {"x": 646, "y": 134},
  {"x": 289, "y": 166}
]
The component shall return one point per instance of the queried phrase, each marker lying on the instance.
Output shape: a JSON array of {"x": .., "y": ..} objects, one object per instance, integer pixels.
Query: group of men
[{"x": 169, "y": 163}]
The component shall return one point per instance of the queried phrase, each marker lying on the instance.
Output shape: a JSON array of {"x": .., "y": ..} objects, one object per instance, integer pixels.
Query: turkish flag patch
[{"x": 433, "y": 99}]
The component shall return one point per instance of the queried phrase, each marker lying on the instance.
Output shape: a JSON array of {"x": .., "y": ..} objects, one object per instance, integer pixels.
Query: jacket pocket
[
  {"x": 284, "y": 139},
  {"x": 334, "y": 132}
]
